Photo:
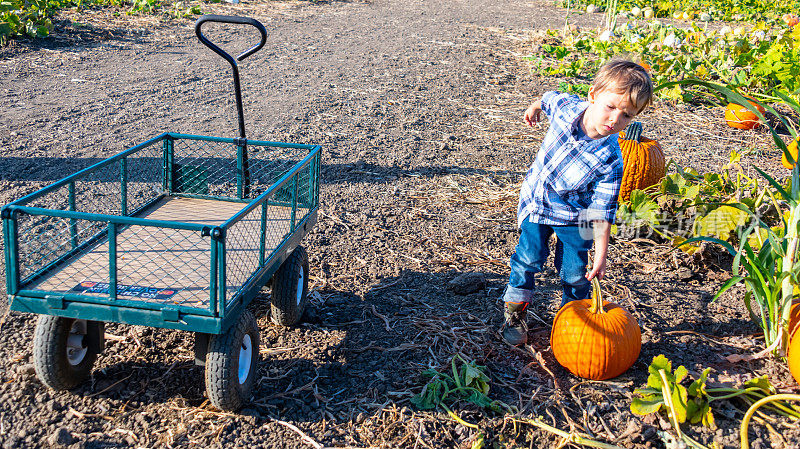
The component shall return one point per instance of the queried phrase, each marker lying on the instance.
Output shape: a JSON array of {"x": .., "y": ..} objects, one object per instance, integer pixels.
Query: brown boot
[{"x": 515, "y": 329}]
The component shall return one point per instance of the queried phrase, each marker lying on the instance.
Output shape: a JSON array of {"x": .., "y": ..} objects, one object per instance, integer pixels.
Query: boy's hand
[
  {"x": 534, "y": 113},
  {"x": 599, "y": 270}
]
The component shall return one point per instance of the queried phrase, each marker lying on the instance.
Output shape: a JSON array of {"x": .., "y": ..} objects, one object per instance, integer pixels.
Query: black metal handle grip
[
  {"x": 234, "y": 66},
  {"x": 235, "y": 20}
]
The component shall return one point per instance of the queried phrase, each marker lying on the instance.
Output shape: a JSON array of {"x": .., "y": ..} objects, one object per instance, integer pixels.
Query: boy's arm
[
  {"x": 602, "y": 212},
  {"x": 602, "y": 229},
  {"x": 534, "y": 113}
]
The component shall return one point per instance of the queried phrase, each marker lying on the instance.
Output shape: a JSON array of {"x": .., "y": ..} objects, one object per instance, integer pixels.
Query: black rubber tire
[
  {"x": 50, "y": 360},
  {"x": 222, "y": 364},
  {"x": 285, "y": 309}
]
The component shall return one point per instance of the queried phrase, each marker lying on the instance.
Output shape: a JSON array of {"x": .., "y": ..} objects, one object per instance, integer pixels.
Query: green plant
[
  {"x": 728, "y": 10},
  {"x": 665, "y": 391},
  {"x": 33, "y": 18},
  {"x": 468, "y": 382},
  {"x": 772, "y": 272},
  {"x": 180, "y": 10},
  {"x": 688, "y": 204},
  {"x": 581, "y": 89},
  {"x": 759, "y": 58},
  {"x": 23, "y": 17},
  {"x": 754, "y": 408},
  {"x": 612, "y": 7},
  {"x": 144, "y": 6}
]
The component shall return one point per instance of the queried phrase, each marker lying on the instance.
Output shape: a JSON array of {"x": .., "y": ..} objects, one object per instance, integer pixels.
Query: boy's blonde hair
[{"x": 628, "y": 78}]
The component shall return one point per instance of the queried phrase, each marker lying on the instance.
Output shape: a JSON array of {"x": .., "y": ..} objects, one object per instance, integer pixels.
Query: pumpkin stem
[
  {"x": 634, "y": 132},
  {"x": 597, "y": 297}
]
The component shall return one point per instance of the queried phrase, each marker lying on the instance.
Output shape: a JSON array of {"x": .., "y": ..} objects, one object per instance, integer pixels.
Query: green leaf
[
  {"x": 673, "y": 184},
  {"x": 648, "y": 391},
  {"x": 693, "y": 412},
  {"x": 469, "y": 383},
  {"x": 659, "y": 362},
  {"x": 475, "y": 378},
  {"x": 679, "y": 403},
  {"x": 727, "y": 285},
  {"x": 639, "y": 210},
  {"x": 478, "y": 398},
  {"x": 719, "y": 242},
  {"x": 456, "y": 377},
  {"x": 761, "y": 383},
  {"x": 774, "y": 183},
  {"x": 708, "y": 417},
  {"x": 430, "y": 397},
  {"x": 640, "y": 406},
  {"x": 721, "y": 222},
  {"x": 702, "y": 382},
  {"x": 430, "y": 372},
  {"x": 680, "y": 373},
  {"x": 691, "y": 192}
]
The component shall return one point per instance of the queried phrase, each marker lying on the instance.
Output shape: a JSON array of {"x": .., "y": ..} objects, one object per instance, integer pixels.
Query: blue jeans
[{"x": 572, "y": 255}]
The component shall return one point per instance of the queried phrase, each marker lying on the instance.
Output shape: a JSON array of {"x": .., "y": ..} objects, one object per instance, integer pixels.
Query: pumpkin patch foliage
[
  {"x": 687, "y": 204},
  {"x": 757, "y": 57},
  {"x": 666, "y": 392},
  {"x": 468, "y": 383},
  {"x": 726, "y": 10},
  {"x": 33, "y": 18}
]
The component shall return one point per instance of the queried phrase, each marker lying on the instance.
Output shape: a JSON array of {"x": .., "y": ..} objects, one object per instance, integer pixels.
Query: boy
[{"x": 572, "y": 185}]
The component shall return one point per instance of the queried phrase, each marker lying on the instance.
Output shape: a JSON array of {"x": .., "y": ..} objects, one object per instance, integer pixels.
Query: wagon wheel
[
  {"x": 290, "y": 289},
  {"x": 62, "y": 353},
  {"x": 232, "y": 364}
]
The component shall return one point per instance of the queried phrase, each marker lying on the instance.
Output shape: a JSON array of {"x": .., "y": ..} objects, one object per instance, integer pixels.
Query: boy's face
[{"x": 608, "y": 113}]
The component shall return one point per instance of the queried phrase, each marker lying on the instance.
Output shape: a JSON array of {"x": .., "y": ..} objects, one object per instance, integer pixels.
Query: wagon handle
[{"x": 235, "y": 20}]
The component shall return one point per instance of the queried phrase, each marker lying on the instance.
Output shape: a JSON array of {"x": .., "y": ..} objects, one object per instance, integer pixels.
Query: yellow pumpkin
[
  {"x": 738, "y": 116},
  {"x": 792, "y": 147},
  {"x": 643, "y": 160},
  {"x": 595, "y": 339}
]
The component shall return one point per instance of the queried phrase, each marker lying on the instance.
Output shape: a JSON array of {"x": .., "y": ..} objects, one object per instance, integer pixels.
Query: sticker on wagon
[{"x": 136, "y": 291}]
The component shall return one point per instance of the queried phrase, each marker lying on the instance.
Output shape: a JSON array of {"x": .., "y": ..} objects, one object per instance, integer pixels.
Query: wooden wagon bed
[{"x": 171, "y": 266}]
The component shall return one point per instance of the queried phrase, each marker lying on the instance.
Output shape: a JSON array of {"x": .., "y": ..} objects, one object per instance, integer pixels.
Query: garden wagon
[{"x": 178, "y": 232}]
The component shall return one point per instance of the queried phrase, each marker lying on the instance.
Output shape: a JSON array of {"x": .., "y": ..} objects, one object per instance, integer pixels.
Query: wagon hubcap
[
  {"x": 76, "y": 350},
  {"x": 245, "y": 358},
  {"x": 300, "y": 278}
]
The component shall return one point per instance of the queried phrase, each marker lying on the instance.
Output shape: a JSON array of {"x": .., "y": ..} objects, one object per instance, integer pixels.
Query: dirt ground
[{"x": 417, "y": 105}]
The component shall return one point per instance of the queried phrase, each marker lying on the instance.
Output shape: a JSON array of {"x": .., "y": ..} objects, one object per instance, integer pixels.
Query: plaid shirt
[{"x": 573, "y": 178}]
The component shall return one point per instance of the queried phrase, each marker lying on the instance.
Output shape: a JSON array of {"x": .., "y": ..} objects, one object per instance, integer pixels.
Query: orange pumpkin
[
  {"x": 794, "y": 317},
  {"x": 738, "y": 116},
  {"x": 643, "y": 159},
  {"x": 793, "y": 357},
  {"x": 595, "y": 339},
  {"x": 791, "y": 19},
  {"x": 792, "y": 147},
  {"x": 695, "y": 37}
]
